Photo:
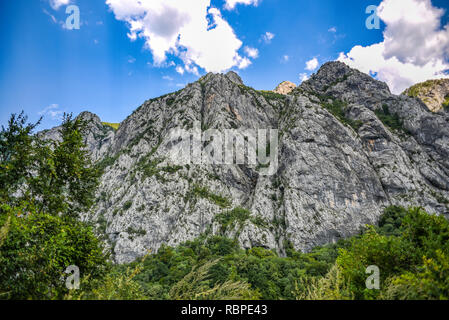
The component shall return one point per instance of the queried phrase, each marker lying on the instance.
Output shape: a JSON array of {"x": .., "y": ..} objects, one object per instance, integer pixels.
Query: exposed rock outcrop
[
  {"x": 285, "y": 87},
  {"x": 433, "y": 93},
  {"x": 347, "y": 149}
]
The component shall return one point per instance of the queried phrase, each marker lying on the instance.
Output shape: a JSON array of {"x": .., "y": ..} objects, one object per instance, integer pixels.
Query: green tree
[
  {"x": 56, "y": 177},
  {"x": 429, "y": 283},
  {"x": 38, "y": 249},
  {"x": 66, "y": 179},
  {"x": 17, "y": 155}
]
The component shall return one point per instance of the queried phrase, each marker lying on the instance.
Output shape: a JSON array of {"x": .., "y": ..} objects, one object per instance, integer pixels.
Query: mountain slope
[{"x": 347, "y": 149}]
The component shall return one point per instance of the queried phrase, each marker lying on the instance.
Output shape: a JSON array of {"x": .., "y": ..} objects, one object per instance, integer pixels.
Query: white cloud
[
  {"x": 251, "y": 52},
  {"x": 168, "y": 78},
  {"x": 244, "y": 63},
  {"x": 52, "y": 111},
  {"x": 285, "y": 58},
  {"x": 332, "y": 29},
  {"x": 268, "y": 36},
  {"x": 131, "y": 60},
  {"x": 415, "y": 47},
  {"x": 192, "y": 30},
  {"x": 303, "y": 77},
  {"x": 312, "y": 64},
  {"x": 192, "y": 69},
  {"x": 230, "y": 4},
  {"x": 56, "y": 4},
  {"x": 180, "y": 70}
]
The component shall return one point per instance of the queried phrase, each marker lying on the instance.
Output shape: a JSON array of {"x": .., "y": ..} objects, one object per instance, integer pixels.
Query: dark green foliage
[
  {"x": 39, "y": 233},
  {"x": 342, "y": 79},
  {"x": 106, "y": 162},
  {"x": 205, "y": 193},
  {"x": 270, "y": 95},
  {"x": 392, "y": 121},
  {"x": 338, "y": 109},
  {"x": 391, "y": 221},
  {"x": 439, "y": 197},
  {"x": 274, "y": 277},
  {"x": 410, "y": 244},
  {"x": 127, "y": 205},
  {"x": 17, "y": 155},
  {"x": 410, "y": 248},
  {"x": 229, "y": 219},
  {"x": 38, "y": 249},
  {"x": 237, "y": 218},
  {"x": 171, "y": 169},
  {"x": 57, "y": 177},
  {"x": 149, "y": 167}
]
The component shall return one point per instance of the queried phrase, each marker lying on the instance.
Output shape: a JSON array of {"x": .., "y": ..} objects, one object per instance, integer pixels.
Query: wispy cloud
[
  {"x": 303, "y": 77},
  {"x": 231, "y": 4},
  {"x": 180, "y": 70},
  {"x": 267, "y": 37},
  {"x": 53, "y": 111},
  {"x": 56, "y": 4}
]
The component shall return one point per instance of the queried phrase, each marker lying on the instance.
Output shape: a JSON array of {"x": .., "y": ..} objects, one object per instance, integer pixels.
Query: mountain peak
[
  {"x": 234, "y": 77},
  {"x": 285, "y": 87},
  {"x": 88, "y": 116}
]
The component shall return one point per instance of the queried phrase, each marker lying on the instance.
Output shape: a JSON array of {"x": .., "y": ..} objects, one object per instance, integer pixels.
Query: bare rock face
[
  {"x": 347, "y": 149},
  {"x": 285, "y": 87},
  {"x": 433, "y": 93}
]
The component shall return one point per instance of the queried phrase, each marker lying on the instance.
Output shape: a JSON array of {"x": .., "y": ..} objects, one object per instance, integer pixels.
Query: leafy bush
[
  {"x": 430, "y": 282},
  {"x": 268, "y": 275},
  {"x": 38, "y": 249},
  {"x": 390, "y": 120},
  {"x": 338, "y": 109},
  {"x": 235, "y": 216},
  {"x": 412, "y": 255},
  {"x": 205, "y": 193}
]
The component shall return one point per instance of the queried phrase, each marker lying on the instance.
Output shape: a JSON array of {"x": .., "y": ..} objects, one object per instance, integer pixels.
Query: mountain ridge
[{"x": 347, "y": 149}]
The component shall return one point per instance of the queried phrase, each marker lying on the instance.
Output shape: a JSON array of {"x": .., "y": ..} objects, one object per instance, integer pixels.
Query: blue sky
[{"x": 104, "y": 68}]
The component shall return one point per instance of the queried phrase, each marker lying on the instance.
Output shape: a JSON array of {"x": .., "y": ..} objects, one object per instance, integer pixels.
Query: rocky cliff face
[
  {"x": 347, "y": 149},
  {"x": 433, "y": 93}
]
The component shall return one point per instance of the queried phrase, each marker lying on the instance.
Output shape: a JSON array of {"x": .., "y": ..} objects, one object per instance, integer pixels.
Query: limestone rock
[
  {"x": 285, "y": 87},
  {"x": 433, "y": 93},
  {"x": 347, "y": 149}
]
